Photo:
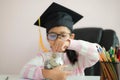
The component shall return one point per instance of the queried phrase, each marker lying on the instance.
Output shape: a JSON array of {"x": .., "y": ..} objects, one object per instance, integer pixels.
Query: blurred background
[{"x": 19, "y": 38}]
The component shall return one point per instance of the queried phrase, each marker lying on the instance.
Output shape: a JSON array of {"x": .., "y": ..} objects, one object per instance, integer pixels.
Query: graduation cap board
[{"x": 56, "y": 15}]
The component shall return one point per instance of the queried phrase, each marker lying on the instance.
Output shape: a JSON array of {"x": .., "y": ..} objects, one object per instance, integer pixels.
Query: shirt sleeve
[
  {"x": 87, "y": 52},
  {"x": 33, "y": 69}
]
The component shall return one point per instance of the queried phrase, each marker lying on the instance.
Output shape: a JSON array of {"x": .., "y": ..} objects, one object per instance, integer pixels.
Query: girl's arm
[
  {"x": 33, "y": 69},
  {"x": 87, "y": 52}
]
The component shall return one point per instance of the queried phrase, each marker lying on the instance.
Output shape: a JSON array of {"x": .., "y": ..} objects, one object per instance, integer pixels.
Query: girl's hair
[{"x": 72, "y": 56}]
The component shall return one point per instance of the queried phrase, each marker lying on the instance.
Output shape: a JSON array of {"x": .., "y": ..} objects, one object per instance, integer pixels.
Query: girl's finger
[
  {"x": 59, "y": 49},
  {"x": 63, "y": 67},
  {"x": 58, "y": 45},
  {"x": 68, "y": 72}
]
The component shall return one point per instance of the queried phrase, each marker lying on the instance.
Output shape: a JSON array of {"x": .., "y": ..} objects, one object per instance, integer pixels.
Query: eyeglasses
[{"x": 54, "y": 36}]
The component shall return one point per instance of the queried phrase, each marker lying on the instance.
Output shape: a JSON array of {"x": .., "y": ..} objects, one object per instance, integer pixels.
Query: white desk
[
  {"x": 16, "y": 77},
  {"x": 84, "y": 78},
  {"x": 10, "y": 77}
]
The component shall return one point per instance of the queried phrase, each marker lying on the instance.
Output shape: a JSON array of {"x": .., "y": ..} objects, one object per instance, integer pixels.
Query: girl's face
[{"x": 59, "y": 33}]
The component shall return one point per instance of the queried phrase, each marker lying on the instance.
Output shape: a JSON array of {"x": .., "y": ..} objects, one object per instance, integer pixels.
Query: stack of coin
[{"x": 54, "y": 61}]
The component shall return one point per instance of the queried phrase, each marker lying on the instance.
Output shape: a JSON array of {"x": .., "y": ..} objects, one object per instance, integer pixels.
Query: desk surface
[
  {"x": 16, "y": 77},
  {"x": 84, "y": 78},
  {"x": 10, "y": 77}
]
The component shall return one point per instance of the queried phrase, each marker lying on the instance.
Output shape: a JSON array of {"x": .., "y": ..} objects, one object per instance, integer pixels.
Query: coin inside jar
[
  {"x": 53, "y": 62},
  {"x": 53, "y": 55}
]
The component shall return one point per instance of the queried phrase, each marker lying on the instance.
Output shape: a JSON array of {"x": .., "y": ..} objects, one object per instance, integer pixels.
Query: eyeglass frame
[{"x": 58, "y": 35}]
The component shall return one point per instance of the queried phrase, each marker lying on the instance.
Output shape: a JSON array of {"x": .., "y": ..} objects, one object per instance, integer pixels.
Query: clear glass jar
[{"x": 53, "y": 60}]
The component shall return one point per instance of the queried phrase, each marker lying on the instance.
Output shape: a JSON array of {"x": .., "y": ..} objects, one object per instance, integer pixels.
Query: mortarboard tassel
[{"x": 41, "y": 40}]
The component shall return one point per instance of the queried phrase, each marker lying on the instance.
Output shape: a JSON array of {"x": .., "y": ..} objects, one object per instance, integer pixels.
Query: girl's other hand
[{"x": 57, "y": 73}]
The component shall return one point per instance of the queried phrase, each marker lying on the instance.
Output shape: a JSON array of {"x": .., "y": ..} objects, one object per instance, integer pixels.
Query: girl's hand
[
  {"x": 60, "y": 45},
  {"x": 57, "y": 73}
]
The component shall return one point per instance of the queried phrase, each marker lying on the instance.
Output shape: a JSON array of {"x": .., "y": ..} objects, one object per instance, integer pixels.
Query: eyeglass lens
[{"x": 54, "y": 36}]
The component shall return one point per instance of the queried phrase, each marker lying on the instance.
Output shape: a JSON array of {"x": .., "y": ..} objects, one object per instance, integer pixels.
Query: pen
[{"x": 118, "y": 54}]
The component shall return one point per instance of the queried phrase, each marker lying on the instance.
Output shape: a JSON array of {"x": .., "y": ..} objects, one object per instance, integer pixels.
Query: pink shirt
[{"x": 87, "y": 57}]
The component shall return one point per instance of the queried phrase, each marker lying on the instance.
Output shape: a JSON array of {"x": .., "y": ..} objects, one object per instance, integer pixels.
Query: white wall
[{"x": 19, "y": 37}]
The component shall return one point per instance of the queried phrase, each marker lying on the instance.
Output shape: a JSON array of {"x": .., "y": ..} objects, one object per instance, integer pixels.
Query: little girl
[{"x": 78, "y": 54}]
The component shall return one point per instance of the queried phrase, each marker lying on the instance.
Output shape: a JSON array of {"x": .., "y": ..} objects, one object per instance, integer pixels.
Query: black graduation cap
[{"x": 58, "y": 15}]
